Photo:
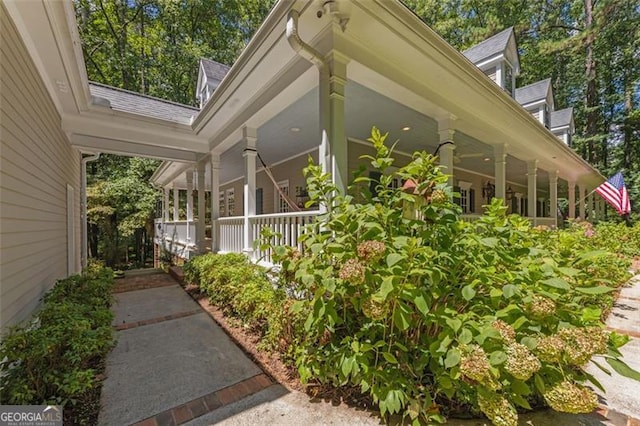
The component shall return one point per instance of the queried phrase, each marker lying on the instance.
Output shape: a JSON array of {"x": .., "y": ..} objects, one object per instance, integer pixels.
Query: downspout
[
  {"x": 83, "y": 215},
  {"x": 302, "y": 48}
]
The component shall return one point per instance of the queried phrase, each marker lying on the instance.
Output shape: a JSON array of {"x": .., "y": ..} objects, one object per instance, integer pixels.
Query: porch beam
[
  {"x": 200, "y": 224},
  {"x": 532, "y": 189},
  {"x": 250, "y": 139},
  {"x": 500, "y": 171},
  {"x": 215, "y": 203}
]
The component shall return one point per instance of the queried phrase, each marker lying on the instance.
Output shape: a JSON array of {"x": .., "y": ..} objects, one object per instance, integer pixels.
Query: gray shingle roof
[
  {"x": 127, "y": 101},
  {"x": 214, "y": 70},
  {"x": 533, "y": 92},
  {"x": 490, "y": 47},
  {"x": 561, "y": 118}
]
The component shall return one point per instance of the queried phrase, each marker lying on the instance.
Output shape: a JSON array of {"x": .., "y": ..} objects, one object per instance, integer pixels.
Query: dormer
[
  {"x": 562, "y": 125},
  {"x": 210, "y": 74},
  {"x": 497, "y": 57},
  {"x": 537, "y": 98}
]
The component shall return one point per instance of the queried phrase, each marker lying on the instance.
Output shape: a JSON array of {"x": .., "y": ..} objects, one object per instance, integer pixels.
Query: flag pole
[{"x": 585, "y": 197}]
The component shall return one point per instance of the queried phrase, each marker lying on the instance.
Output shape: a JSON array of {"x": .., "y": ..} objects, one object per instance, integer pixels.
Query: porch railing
[
  {"x": 178, "y": 237},
  {"x": 288, "y": 225},
  {"x": 231, "y": 234}
]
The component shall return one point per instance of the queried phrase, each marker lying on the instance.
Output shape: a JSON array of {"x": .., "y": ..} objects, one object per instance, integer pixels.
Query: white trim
[{"x": 71, "y": 231}]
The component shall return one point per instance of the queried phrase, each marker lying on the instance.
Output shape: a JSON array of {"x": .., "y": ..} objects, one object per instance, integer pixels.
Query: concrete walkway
[{"x": 174, "y": 365}]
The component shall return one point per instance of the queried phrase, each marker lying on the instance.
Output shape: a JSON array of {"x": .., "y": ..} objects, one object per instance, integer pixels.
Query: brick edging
[
  {"x": 617, "y": 417},
  {"x": 156, "y": 320},
  {"x": 209, "y": 402},
  {"x": 125, "y": 287}
]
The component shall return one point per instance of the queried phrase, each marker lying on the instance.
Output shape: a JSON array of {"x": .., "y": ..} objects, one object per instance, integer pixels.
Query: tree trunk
[{"x": 591, "y": 95}]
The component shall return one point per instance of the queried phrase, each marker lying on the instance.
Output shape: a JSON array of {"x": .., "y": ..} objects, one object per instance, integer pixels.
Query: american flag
[{"x": 615, "y": 193}]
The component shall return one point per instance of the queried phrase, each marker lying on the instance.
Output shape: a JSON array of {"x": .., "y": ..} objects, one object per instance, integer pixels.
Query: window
[
  {"x": 231, "y": 202},
  {"x": 465, "y": 200},
  {"x": 281, "y": 205},
  {"x": 508, "y": 78},
  {"x": 547, "y": 116},
  {"x": 221, "y": 204}
]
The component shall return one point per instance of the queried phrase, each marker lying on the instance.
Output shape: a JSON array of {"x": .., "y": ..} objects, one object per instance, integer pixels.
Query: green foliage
[
  {"x": 53, "y": 358},
  {"x": 153, "y": 46},
  {"x": 239, "y": 288},
  {"x": 120, "y": 209},
  {"x": 425, "y": 312}
]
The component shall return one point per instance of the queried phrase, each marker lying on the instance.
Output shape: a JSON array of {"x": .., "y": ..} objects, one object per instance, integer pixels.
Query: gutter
[{"x": 83, "y": 214}]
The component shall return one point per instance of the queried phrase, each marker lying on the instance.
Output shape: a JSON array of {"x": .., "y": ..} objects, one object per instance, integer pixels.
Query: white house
[{"x": 314, "y": 79}]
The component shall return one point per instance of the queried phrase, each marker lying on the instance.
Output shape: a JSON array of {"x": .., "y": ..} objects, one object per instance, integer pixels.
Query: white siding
[{"x": 36, "y": 165}]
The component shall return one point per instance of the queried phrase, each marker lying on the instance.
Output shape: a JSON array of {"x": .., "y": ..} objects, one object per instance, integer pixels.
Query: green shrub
[
  {"x": 238, "y": 287},
  {"x": 52, "y": 359},
  {"x": 424, "y": 312}
]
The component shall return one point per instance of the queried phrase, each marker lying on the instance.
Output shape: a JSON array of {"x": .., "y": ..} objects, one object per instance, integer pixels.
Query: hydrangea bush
[{"x": 428, "y": 314}]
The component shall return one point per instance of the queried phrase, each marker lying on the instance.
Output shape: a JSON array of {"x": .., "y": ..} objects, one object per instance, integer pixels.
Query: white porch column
[
  {"x": 200, "y": 225},
  {"x": 189, "y": 177},
  {"x": 165, "y": 207},
  {"x": 215, "y": 203},
  {"x": 601, "y": 208},
  {"x": 250, "y": 140},
  {"x": 500, "y": 171},
  {"x": 553, "y": 195},
  {"x": 176, "y": 202},
  {"x": 334, "y": 148},
  {"x": 593, "y": 211},
  {"x": 446, "y": 130},
  {"x": 581, "y": 198},
  {"x": 532, "y": 188},
  {"x": 572, "y": 199}
]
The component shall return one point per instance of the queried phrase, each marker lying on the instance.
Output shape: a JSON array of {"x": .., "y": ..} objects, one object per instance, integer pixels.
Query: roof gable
[
  {"x": 214, "y": 70},
  {"x": 490, "y": 47},
  {"x": 534, "y": 92},
  {"x": 562, "y": 118}
]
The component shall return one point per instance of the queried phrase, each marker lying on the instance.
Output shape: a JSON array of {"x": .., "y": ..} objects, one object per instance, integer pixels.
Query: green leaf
[
  {"x": 393, "y": 258},
  {"x": 452, "y": 359},
  {"x": 595, "y": 290},
  {"x": 385, "y": 288},
  {"x": 468, "y": 292},
  {"x": 489, "y": 242},
  {"x": 495, "y": 292},
  {"x": 465, "y": 336},
  {"x": 557, "y": 283},
  {"x": 571, "y": 272},
  {"x": 402, "y": 317},
  {"x": 421, "y": 304},
  {"x": 454, "y": 323},
  {"x": 529, "y": 342},
  {"x": 539, "y": 383},
  {"x": 595, "y": 381},
  {"x": 520, "y": 401},
  {"x": 520, "y": 387},
  {"x": 497, "y": 357},
  {"x": 590, "y": 255},
  {"x": 389, "y": 357},
  {"x": 591, "y": 314},
  {"x": 509, "y": 290},
  {"x": 623, "y": 369}
]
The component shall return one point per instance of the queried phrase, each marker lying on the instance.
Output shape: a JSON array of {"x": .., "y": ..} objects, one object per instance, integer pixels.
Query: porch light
[
  {"x": 488, "y": 191},
  {"x": 509, "y": 194},
  {"x": 406, "y": 128},
  {"x": 295, "y": 129}
]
